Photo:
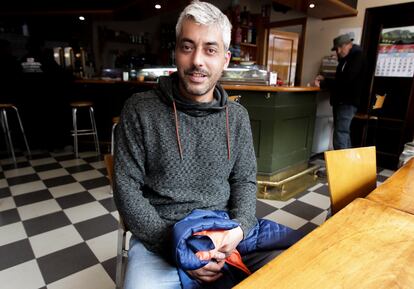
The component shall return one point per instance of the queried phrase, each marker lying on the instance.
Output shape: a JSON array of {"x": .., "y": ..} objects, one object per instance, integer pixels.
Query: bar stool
[
  {"x": 6, "y": 129},
  {"x": 115, "y": 121},
  {"x": 79, "y": 132}
]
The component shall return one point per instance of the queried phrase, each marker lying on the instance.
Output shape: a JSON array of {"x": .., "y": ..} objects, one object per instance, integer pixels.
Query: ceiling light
[
  {"x": 312, "y": 5},
  {"x": 157, "y": 6},
  {"x": 81, "y": 18}
]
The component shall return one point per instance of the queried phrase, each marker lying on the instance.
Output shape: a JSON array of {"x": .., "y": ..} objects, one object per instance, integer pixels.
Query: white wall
[{"x": 320, "y": 33}]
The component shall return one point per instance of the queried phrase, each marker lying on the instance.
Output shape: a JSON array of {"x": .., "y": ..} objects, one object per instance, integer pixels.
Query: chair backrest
[
  {"x": 379, "y": 101},
  {"x": 235, "y": 98},
  {"x": 109, "y": 163},
  {"x": 122, "y": 251},
  {"x": 352, "y": 173}
]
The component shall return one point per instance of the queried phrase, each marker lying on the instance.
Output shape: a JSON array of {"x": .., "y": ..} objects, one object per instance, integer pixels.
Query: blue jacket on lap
[{"x": 264, "y": 236}]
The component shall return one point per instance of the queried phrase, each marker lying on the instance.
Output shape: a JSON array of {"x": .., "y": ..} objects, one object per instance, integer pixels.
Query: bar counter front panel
[{"x": 282, "y": 121}]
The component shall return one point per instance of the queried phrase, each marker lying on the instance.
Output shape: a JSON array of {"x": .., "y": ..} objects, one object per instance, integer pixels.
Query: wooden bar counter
[
  {"x": 398, "y": 190},
  {"x": 365, "y": 245},
  {"x": 282, "y": 121},
  {"x": 269, "y": 88}
]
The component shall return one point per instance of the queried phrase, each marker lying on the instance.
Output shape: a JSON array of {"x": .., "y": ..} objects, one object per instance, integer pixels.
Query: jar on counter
[
  {"x": 133, "y": 74},
  {"x": 125, "y": 76}
]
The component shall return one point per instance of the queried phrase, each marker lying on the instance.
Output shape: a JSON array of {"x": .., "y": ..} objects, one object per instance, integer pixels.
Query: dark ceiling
[
  {"x": 23, "y": 6},
  {"x": 116, "y": 9}
]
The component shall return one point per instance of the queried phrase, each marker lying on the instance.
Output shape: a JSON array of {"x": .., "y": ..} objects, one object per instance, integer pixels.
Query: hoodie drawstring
[
  {"x": 228, "y": 132},
  {"x": 177, "y": 133}
]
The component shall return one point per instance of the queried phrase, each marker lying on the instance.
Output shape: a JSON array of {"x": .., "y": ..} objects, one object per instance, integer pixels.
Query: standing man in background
[{"x": 346, "y": 89}]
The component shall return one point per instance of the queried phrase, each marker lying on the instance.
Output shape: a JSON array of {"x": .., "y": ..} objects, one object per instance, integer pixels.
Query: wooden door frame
[
  {"x": 301, "y": 43},
  {"x": 291, "y": 55}
]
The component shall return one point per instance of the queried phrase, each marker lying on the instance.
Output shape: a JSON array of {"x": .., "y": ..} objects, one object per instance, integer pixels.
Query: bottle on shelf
[
  {"x": 238, "y": 35},
  {"x": 253, "y": 34},
  {"x": 244, "y": 16},
  {"x": 250, "y": 34}
]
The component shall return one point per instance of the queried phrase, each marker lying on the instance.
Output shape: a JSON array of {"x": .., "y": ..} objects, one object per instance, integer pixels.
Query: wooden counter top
[
  {"x": 264, "y": 88},
  {"x": 112, "y": 81},
  {"x": 398, "y": 190},
  {"x": 269, "y": 88},
  {"x": 365, "y": 245}
]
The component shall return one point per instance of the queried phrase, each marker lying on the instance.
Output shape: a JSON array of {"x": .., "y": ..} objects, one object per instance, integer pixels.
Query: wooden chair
[
  {"x": 235, "y": 98},
  {"x": 109, "y": 164},
  {"x": 352, "y": 173},
  {"x": 121, "y": 252},
  {"x": 370, "y": 116}
]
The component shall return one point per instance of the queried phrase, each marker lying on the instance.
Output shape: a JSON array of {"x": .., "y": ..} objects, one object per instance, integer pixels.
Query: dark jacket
[
  {"x": 347, "y": 87},
  {"x": 173, "y": 156},
  {"x": 265, "y": 235}
]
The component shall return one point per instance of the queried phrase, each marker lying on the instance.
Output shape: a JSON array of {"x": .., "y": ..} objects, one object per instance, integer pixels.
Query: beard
[{"x": 194, "y": 89}]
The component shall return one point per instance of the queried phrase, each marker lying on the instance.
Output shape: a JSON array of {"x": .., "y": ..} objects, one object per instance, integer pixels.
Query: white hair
[{"x": 206, "y": 14}]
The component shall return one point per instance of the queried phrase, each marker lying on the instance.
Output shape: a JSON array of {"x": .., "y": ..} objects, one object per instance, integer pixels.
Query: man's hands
[
  {"x": 231, "y": 239},
  {"x": 209, "y": 273},
  {"x": 225, "y": 242},
  {"x": 318, "y": 80}
]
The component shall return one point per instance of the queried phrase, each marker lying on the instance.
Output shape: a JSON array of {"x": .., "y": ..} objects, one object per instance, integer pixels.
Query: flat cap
[{"x": 341, "y": 39}]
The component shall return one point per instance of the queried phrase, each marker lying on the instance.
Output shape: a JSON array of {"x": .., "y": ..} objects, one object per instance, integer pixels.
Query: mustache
[{"x": 196, "y": 70}]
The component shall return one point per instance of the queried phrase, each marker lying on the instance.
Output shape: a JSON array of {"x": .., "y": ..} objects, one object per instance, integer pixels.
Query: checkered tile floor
[{"x": 58, "y": 221}]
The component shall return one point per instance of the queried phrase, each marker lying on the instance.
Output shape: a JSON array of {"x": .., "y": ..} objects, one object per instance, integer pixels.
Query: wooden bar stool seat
[
  {"x": 6, "y": 129},
  {"x": 79, "y": 104},
  {"x": 6, "y": 105},
  {"x": 81, "y": 132}
]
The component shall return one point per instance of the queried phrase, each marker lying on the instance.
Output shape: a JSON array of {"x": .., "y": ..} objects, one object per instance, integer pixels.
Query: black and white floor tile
[{"x": 58, "y": 222}]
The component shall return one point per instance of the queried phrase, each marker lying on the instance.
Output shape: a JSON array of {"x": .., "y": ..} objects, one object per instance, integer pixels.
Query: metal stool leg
[
  {"x": 75, "y": 132},
  {"x": 8, "y": 136},
  {"x": 120, "y": 257},
  {"x": 4, "y": 131},
  {"x": 22, "y": 130},
  {"x": 365, "y": 133},
  {"x": 95, "y": 131},
  {"x": 113, "y": 138}
]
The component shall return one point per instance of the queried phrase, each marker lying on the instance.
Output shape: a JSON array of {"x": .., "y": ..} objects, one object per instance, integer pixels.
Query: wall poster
[{"x": 396, "y": 52}]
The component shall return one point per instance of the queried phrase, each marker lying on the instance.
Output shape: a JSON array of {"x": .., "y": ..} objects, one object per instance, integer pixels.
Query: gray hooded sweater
[{"x": 173, "y": 156}]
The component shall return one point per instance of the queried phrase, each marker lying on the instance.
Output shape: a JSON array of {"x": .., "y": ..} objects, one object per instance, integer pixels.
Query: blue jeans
[
  {"x": 343, "y": 115},
  {"x": 147, "y": 270}
]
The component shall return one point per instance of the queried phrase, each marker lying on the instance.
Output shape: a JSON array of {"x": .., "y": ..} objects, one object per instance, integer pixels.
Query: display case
[
  {"x": 152, "y": 73},
  {"x": 249, "y": 74}
]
